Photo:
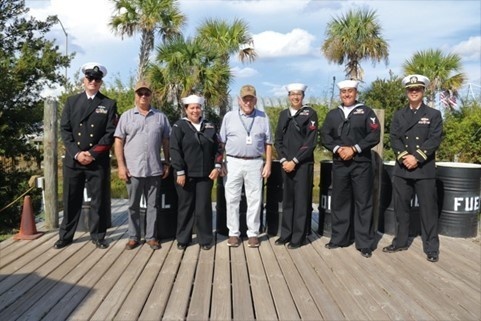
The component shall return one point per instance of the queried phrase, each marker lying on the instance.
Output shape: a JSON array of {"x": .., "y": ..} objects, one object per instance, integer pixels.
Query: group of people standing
[{"x": 241, "y": 152}]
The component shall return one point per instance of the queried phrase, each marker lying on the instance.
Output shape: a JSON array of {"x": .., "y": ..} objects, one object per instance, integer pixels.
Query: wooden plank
[
  {"x": 27, "y": 293},
  {"x": 283, "y": 301},
  {"x": 302, "y": 298},
  {"x": 157, "y": 301},
  {"x": 27, "y": 263},
  {"x": 178, "y": 302},
  {"x": 261, "y": 295},
  {"x": 113, "y": 301},
  {"x": 354, "y": 285},
  {"x": 134, "y": 303},
  {"x": 242, "y": 308},
  {"x": 199, "y": 307},
  {"x": 56, "y": 293},
  {"x": 425, "y": 276},
  {"x": 21, "y": 248},
  {"x": 221, "y": 305},
  {"x": 307, "y": 262},
  {"x": 99, "y": 291}
]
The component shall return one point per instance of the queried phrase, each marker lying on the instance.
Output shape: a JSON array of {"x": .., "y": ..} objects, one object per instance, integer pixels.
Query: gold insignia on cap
[{"x": 413, "y": 80}]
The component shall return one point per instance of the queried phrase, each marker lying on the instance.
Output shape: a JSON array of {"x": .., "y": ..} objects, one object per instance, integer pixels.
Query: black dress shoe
[
  {"x": 61, "y": 244},
  {"x": 101, "y": 244},
  {"x": 432, "y": 257},
  {"x": 181, "y": 246},
  {"x": 281, "y": 241},
  {"x": 206, "y": 247},
  {"x": 366, "y": 252},
  {"x": 293, "y": 246},
  {"x": 331, "y": 246},
  {"x": 391, "y": 248}
]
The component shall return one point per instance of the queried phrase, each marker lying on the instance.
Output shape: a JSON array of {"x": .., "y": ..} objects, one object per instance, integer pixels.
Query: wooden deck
[{"x": 81, "y": 282}]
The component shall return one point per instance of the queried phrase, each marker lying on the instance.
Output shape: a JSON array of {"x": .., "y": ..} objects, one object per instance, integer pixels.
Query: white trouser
[{"x": 249, "y": 173}]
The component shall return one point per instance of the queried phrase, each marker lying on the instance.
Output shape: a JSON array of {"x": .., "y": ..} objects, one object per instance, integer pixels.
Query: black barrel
[
  {"x": 274, "y": 194},
  {"x": 459, "y": 195},
  {"x": 387, "y": 216},
  {"x": 167, "y": 208},
  {"x": 325, "y": 192}
]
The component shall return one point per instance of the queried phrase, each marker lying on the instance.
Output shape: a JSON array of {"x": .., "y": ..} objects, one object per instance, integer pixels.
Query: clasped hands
[
  {"x": 85, "y": 158},
  {"x": 346, "y": 152},
  {"x": 410, "y": 162}
]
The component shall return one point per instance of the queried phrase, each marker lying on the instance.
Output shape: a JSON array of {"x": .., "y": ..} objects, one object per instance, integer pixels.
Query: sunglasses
[
  {"x": 90, "y": 79},
  {"x": 145, "y": 93},
  {"x": 415, "y": 88}
]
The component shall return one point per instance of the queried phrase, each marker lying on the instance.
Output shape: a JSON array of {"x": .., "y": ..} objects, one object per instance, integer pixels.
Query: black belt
[{"x": 244, "y": 157}]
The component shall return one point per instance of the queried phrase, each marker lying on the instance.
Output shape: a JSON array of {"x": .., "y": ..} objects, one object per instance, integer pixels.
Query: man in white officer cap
[
  {"x": 295, "y": 141},
  {"x": 416, "y": 133},
  {"x": 349, "y": 132},
  {"x": 87, "y": 128}
]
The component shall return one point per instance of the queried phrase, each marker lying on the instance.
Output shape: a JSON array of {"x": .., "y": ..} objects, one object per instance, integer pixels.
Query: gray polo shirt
[
  {"x": 233, "y": 133},
  {"x": 143, "y": 137}
]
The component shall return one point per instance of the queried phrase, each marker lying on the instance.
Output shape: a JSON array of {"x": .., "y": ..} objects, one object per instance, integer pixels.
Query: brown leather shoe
[
  {"x": 233, "y": 241},
  {"x": 253, "y": 242},
  {"x": 131, "y": 244},
  {"x": 154, "y": 244}
]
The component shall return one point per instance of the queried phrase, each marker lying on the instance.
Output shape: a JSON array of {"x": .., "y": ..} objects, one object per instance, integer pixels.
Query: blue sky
[{"x": 287, "y": 35}]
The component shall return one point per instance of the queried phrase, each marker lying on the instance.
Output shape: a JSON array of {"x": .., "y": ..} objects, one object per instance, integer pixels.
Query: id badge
[{"x": 249, "y": 140}]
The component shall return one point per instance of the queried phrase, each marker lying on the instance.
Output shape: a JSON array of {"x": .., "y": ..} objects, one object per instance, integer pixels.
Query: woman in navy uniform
[
  {"x": 87, "y": 129},
  {"x": 349, "y": 132},
  {"x": 416, "y": 133},
  {"x": 196, "y": 157},
  {"x": 295, "y": 141}
]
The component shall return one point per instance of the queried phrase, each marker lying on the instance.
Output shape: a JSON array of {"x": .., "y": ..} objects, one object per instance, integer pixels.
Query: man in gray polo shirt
[
  {"x": 140, "y": 134},
  {"x": 247, "y": 137}
]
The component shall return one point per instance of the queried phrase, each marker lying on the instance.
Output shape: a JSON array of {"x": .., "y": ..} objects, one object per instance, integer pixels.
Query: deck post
[{"x": 50, "y": 162}]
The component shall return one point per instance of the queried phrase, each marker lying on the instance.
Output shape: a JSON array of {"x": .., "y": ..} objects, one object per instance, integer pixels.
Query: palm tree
[
  {"x": 147, "y": 17},
  {"x": 444, "y": 71},
  {"x": 225, "y": 39},
  {"x": 353, "y": 38},
  {"x": 185, "y": 66}
]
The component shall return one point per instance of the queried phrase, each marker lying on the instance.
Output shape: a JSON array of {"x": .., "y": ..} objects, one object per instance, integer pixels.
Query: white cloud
[
  {"x": 244, "y": 72},
  {"x": 269, "y": 44},
  {"x": 470, "y": 49}
]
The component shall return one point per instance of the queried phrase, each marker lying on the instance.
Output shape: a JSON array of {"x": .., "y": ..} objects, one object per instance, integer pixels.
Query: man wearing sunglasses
[
  {"x": 87, "y": 128},
  {"x": 141, "y": 133},
  {"x": 416, "y": 133}
]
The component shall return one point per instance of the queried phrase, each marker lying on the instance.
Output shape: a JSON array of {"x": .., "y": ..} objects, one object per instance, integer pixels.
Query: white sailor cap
[
  {"x": 348, "y": 84},
  {"x": 296, "y": 87},
  {"x": 415, "y": 81},
  {"x": 94, "y": 69},
  {"x": 193, "y": 99}
]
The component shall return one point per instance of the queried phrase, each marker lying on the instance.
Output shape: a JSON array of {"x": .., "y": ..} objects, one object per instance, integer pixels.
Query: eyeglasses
[
  {"x": 415, "y": 88},
  {"x": 90, "y": 79},
  {"x": 145, "y": 93}
]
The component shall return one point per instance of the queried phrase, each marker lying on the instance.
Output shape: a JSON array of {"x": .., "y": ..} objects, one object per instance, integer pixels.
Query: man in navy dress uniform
[
  {"x": 416, "y": 133},
  {"x": 87, "y": 129}
]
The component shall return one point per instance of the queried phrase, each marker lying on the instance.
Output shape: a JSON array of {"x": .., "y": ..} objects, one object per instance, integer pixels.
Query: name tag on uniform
[{"x": 248, "y": 140}]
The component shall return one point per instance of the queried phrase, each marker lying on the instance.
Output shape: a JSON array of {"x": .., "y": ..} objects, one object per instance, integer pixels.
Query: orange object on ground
[{"x": 28, "y": 229}]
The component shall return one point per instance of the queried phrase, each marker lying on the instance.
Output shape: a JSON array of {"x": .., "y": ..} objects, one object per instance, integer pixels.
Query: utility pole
[{"x": 66, "y": 48}]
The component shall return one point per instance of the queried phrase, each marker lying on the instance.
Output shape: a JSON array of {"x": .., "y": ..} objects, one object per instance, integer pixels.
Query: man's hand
[
  {"x": 289, "y": 166},
  {"x": 410, "y": 162},
  {"x": 166, "y": 170},
  {"x": 346, "y": 152},
  {"x": 181, "y": 180},
  {"x": 266, "y": 171},
  {"x": 124, "y": 173},
  {"x": 84, "y": 158}
]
